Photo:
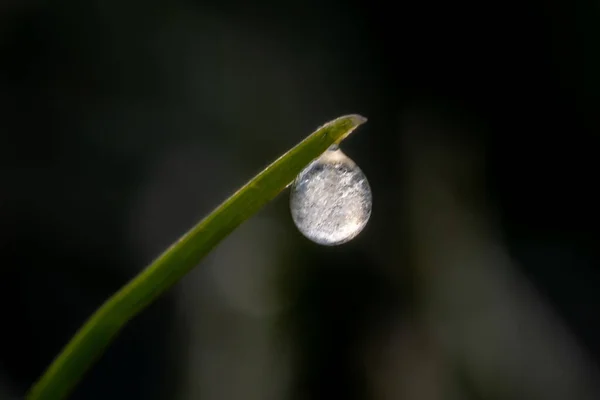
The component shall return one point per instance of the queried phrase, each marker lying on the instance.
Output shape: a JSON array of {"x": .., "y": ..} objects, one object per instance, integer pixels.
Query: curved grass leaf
[{"x": 96, "y": 334}]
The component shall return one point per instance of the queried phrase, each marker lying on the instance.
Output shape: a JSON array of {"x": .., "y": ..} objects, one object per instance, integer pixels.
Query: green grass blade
[{"x": 96, "y": 334}]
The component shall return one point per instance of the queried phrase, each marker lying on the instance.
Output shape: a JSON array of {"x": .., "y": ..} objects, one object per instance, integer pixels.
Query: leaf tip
[
  {"x": 348, "y": 123},
  {"x": 358, "y": 119}
]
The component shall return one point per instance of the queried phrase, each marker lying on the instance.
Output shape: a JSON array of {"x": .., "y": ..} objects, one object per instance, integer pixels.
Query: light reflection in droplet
[{"x": 331, "y": 200}]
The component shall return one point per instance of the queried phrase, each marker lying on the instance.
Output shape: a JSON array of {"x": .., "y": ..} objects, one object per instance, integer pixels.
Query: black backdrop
[{"x": 525, "y": 71}]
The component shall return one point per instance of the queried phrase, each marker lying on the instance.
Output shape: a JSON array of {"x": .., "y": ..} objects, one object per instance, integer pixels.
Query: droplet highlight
[{"x": 330, "y": 200}]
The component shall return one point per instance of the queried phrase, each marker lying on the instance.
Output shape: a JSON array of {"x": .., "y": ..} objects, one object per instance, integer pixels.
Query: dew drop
[{"x": 331, "y": 200}]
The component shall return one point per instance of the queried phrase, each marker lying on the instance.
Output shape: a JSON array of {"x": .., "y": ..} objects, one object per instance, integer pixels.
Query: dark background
[{"x": 124, "y": 122}]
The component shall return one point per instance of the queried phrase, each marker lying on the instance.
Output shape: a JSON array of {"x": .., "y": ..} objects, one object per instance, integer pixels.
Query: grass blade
[{"x": 96, "y": 334}]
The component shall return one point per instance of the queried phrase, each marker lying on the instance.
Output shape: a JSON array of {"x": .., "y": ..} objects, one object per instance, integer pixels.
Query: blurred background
[{"x": 122, "y": 123}]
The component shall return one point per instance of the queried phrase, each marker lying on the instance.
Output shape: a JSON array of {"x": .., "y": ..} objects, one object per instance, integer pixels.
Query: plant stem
[{"x": 96, "y": 334}]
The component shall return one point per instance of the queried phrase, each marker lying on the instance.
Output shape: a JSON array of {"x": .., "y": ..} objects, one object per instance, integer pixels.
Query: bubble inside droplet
[{"x": 331, "y": 200}]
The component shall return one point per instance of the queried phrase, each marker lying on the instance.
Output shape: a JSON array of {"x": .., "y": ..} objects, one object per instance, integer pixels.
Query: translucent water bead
[{"x": 331, "y": 200}]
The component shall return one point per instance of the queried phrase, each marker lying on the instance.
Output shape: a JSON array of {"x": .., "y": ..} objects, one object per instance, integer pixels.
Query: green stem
[{"x": 96, "y": 334}]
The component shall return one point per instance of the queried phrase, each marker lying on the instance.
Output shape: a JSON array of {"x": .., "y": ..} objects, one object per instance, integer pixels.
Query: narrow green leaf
[{"x": 96, "y": 334}]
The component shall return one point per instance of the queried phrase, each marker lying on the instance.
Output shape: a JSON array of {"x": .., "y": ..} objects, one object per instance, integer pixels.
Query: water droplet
[{"x": 331, "y": 199}]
